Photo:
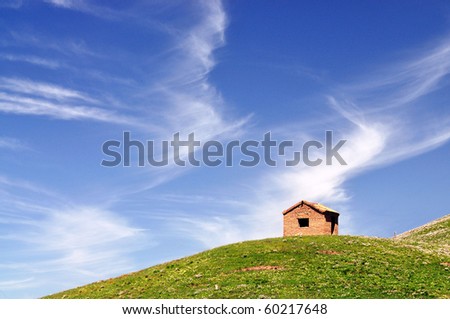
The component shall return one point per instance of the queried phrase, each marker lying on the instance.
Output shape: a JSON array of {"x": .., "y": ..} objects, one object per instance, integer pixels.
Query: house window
[{"x": 303, "y": 222}]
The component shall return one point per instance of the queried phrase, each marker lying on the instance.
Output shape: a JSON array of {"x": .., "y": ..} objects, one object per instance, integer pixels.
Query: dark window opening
[{"x": 303, "y": 222}]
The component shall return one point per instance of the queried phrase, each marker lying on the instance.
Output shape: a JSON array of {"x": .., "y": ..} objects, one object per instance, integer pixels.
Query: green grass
[
  {"x": 306, "y": 267},
  {"x": 432, "y": 237}
]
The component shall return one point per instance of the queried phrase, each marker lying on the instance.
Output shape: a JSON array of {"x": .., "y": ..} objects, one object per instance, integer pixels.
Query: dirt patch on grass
[
  {"x": 259, "y": 268},
  {"x": 446, "y": 264},
  {"x": 329, "y": 252}
]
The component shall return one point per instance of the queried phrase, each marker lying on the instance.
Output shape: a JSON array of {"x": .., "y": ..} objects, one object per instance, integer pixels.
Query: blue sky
[{"x": 74, "y": 74}]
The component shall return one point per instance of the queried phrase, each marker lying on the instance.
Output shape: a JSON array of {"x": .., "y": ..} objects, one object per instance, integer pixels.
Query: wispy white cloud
[
  {"x": 65, "y": 3},
  {"x": 200, "y": 43},
  {"x": 373, "y": 137},
  {"x": 12, "y": 143},
  {"x": 183, "y": 91},
  {"x": 89, "y": 7},
  {"x": 186, "y": 86},
  {"x": 17, "y": 284},
  {"x": 403, "y": 82},
  {"x": 187, "y": 100},
  {"x": 42, "y": 89},
  {"x": 32, "y": 60},
  {"x": 28, "y": 106},
  {"x": 214, "y": 230},
  {"x": 11, "y": 4},
  {"x": 19, "y": 184},
  {"x": 27, "y": 97},
  {"x": 81, "y": 227},
  {"x": 31, "y": 39},
  {"x": 69, "y": 243},
  {"x": 86, "y": 241}
]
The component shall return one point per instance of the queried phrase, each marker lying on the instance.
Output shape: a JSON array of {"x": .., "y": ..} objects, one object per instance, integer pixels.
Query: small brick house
[{"x": 307, "y": 218}]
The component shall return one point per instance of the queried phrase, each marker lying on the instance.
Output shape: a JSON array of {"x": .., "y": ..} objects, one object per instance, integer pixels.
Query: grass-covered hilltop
[{"x": 415, "y": 264}]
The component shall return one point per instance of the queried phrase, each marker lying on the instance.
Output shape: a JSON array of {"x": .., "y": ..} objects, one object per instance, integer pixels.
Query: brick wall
[{"x": 319, "y": 224}]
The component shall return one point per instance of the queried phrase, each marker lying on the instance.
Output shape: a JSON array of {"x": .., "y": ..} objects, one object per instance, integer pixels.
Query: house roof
[{"x": 316, "y": 206}]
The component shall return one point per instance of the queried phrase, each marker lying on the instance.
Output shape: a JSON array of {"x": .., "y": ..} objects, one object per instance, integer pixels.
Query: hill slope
[
  {"x": 294, "y": 267},
  {"x": 434, "y": 236}
]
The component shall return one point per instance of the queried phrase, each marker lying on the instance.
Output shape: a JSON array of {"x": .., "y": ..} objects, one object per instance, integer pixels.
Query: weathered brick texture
[{"x": 321, "y": 221}]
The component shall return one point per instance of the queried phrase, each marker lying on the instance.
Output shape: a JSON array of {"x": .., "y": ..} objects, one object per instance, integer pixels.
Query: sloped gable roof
[{"x": 316, "y": 206}]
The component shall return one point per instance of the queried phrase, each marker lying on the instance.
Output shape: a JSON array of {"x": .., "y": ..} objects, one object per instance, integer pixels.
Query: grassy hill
[
  {"x": 297, "y": 267},
  {"x": 434, "y": 236}
]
